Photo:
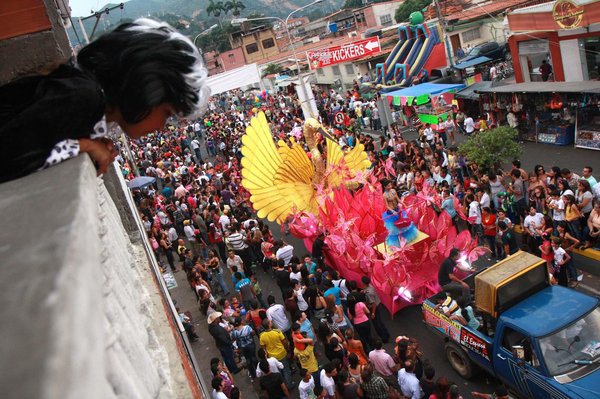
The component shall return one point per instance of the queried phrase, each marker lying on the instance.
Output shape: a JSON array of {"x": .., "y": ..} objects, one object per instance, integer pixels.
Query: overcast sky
[{"x": 82, "y": 8}]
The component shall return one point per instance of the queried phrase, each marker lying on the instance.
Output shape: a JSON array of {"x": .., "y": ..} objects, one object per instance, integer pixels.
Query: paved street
[{"x": 409, "y": 320}]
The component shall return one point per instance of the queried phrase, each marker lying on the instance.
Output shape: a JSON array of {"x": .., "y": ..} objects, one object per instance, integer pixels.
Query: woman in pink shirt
[{"x": 360, "y": 316}]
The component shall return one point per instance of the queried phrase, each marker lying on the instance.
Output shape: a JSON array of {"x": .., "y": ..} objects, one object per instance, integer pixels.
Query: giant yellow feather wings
[{"x": 283, "y": 179}]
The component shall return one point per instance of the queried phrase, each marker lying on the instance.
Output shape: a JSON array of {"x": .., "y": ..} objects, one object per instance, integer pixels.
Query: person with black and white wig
[{"x": 136, "y": 76}]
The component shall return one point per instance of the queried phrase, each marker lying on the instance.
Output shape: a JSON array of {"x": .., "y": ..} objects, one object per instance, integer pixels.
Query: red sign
[{"x": 348, "y": 52}]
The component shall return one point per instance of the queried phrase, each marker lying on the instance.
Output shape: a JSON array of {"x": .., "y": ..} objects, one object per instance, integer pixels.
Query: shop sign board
[
  {"x": 567, "y": 14},
  {"x": 338, "y": 54},
  {"x": 474, "y": 343}
]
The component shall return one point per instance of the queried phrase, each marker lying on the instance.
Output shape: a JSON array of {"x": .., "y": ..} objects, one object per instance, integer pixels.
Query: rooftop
[{"x": 454, "y": 10}]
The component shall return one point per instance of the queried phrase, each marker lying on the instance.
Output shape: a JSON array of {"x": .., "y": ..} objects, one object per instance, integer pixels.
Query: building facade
[
  {"x": 564, "y": 33},
  {"x": 257, "y": 43},
  {"x": 226, "y": 61},
  {"x": 381, "y": 14}
]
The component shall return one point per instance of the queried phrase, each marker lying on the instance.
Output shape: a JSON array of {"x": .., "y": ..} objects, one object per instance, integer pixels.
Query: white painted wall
[
  {"x": 490, "y": 31},
  {"x": 328, "y": 77},
  {"x": 571, "y": 58},
  {"x": 380, "y": 10}
]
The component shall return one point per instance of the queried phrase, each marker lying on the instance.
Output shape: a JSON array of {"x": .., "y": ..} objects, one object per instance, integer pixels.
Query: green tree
[
  {"x": 408, "y": 7},
  {"x": 360, "y": 3},
  {"x": 272, "y": 68},
  {"x": 235, "y": 7},
  {"x": 492, "y": 147},
  {"x": 215, "y": 8},
  {"x": 217, "y": 39}
]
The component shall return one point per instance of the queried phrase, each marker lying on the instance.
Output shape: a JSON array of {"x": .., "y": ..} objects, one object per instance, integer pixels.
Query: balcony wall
[{"x": 83, "y": 315}]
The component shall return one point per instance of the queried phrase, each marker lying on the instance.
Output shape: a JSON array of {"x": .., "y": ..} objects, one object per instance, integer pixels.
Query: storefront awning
[
  {"x": 471, "y": 92},
  {"x": 421, "y": 92},
  {"x": 472, "y": 62},
  {"x": 587, "y": 86}
]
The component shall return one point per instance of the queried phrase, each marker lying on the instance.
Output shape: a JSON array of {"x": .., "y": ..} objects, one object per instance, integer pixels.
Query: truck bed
[{"x": 477, "y": 345}]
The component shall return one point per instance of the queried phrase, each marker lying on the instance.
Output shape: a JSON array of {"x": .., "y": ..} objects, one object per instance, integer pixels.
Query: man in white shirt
[
  {"x": 429, "y": 135},
  {"x": 484, "y": 198},
  {"x": 533, "y": 221},
  {"x": 475, "y": 216},
  {"x": 224, "y": 220},
  {"x": 196, "y": 148},
  {"x": 512, "y": 120},
  {"x": 408, "y": 381},
  {"x": 469, "y": 125},
  {"x": 558, "y": 206},
  {"x": 326, "y": 379},
  {"x": 493, "y": 73},
  {"x": 276, "y": 313},
  {"x": 285, "y": 251},
  {"x": 172, "y": 234},
  {"x": 306, "y": 386}
]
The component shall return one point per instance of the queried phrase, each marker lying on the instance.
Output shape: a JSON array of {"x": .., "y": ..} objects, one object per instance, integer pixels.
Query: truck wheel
[{"x": 459, "y": 360}]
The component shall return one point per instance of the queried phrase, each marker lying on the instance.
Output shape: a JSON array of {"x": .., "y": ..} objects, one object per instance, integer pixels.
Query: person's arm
[
  {"x": 566, "y": 259},
  {"x": 584, "y": 202},
  {"x": 285, "y": 390},
  {"x": 481, "y": 395},
  {"x": 460, "y": 319}
]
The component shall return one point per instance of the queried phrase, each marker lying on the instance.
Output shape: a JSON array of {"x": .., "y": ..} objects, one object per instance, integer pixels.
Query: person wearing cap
[{"x": 222, "y": 340}]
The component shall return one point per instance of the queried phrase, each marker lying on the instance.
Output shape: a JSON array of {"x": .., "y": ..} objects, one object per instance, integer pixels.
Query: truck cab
[{"x": 541, "y": 341}]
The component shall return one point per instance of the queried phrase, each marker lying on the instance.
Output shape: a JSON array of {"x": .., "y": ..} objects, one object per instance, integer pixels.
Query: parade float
[{"x": 322, "y": 189}]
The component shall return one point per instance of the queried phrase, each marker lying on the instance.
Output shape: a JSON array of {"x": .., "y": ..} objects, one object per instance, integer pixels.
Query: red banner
[{"x": 348, "y": 52}]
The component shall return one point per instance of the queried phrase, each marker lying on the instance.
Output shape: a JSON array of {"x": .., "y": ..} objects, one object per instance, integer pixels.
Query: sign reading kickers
[{"x": 348, "y": 52}]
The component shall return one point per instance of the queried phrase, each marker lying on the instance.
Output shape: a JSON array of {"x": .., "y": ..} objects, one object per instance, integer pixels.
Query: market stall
[
  {"x": 588, "y": 125},
  {"x": 430, "y": 100},
  {"x": 558, "y": 113}
]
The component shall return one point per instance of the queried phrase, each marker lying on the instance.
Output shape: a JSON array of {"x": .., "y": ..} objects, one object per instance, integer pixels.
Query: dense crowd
[{"x": 325, "y": 328}]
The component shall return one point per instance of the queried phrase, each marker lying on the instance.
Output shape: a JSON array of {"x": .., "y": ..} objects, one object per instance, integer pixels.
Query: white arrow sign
[{"x": 371, "y": 45}]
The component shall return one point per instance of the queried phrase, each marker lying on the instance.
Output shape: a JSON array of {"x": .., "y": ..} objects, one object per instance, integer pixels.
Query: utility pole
[{"x": 442, "y": 23}]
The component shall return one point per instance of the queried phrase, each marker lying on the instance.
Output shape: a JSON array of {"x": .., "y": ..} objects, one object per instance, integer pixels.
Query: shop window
[
  {"x": 470, "y": 35},
  {"x": 532, "y": 53},
  {"x": 251, "y": 48},
  {"x": 336, "y": 70},
  {"x": 349, "y": 69},
  {"x": 386, "y": 19},
  {"x": 320, "y": 72},
  {"x": 268, "y": 43},
  {"x": 590, "y": 49}
]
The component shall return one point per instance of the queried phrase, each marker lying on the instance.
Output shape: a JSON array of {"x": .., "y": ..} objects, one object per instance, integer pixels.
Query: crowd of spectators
[{"x": 324, "y": 328}]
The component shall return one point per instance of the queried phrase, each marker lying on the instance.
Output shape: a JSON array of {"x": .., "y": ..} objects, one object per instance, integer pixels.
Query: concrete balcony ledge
[{"x": 82, "y": 316}]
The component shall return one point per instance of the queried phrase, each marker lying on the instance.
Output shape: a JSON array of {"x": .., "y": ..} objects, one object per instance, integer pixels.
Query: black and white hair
[{"x": 146, "y": 63}]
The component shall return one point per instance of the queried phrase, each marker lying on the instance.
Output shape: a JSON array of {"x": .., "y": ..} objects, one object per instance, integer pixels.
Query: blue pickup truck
[{"x": 541, "y": 341}]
